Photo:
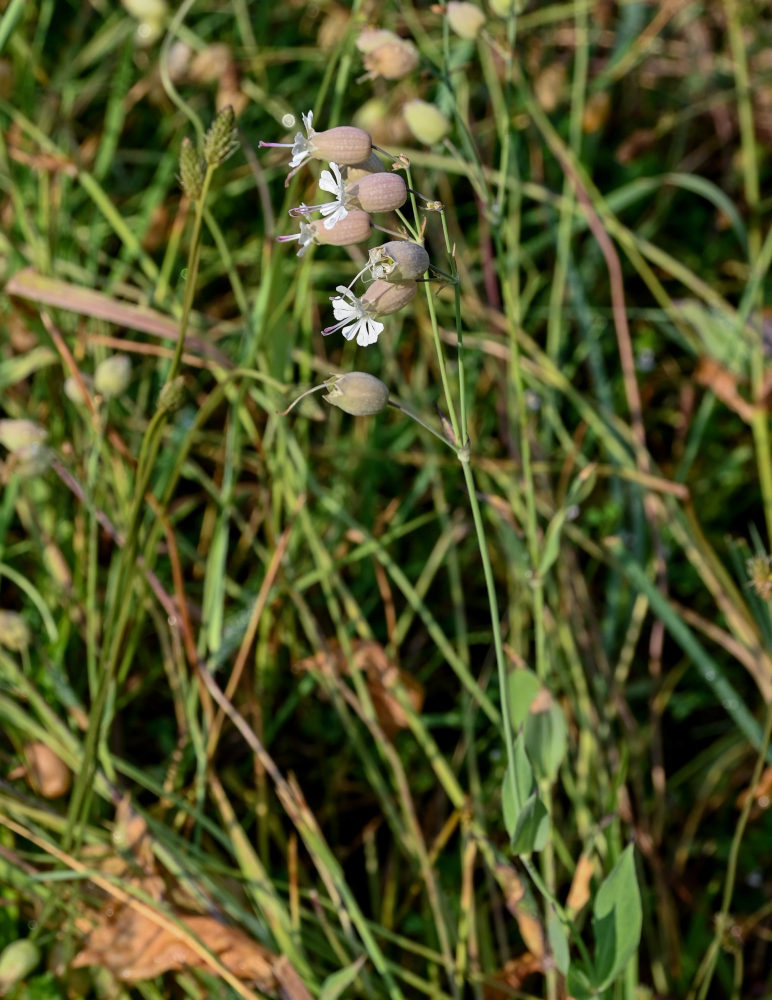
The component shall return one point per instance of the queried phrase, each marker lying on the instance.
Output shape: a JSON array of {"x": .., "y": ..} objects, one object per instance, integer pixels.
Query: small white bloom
[
  {"x": 305, "y": 237},
  {"x": 353, "y": 319},
  {"x": 301, "y": 147},
  {"x": 334, "y": 210}
]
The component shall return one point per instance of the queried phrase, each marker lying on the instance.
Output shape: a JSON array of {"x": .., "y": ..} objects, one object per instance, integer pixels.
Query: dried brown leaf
[
  {"x": 134, "y": 948},
  {"x": 381, "y": 676},
  {"x": 579, "y": 893}
]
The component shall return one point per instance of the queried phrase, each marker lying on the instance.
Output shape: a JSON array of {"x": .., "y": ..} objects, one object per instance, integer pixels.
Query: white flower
[
  {"x": 305, "y": 237},
  {"x": 334, "y": 210},
  {"x": 353, "y": 319},
  {"x": 301, "y": 147}
]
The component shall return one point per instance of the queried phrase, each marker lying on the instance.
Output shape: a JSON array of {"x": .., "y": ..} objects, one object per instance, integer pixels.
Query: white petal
[
  {"x": 349, "y": 331},
  {"x": 308, "y": 122},
  {"x": 369, "y": 332},
  {"x": 340, "y": 213}
]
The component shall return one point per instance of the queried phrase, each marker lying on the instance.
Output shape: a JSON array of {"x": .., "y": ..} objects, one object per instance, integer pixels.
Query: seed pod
[
  {"x": 46, "y": 772},
  {"x": 16, "y": 434},
  {"x": 371, "y": 38},
  {"x": 465, "y": 19},
  {"x": 377, "y": 192},
  {"x": 112, "y": 376},
  {"x": 355, "y": 227},
  {"x": 372, "y": 165},
  {"x": 357, "y": 393},
  {"x": 14, "y": 631},
  {"x": 391, "y": 60},
  {"x": 17, "y": 960},
  {"x": 427, "y": 123},
  {"x": 398, "y": 260},
  {"x": 385, "y": 297},
  {"x": 344, "y": 144}
]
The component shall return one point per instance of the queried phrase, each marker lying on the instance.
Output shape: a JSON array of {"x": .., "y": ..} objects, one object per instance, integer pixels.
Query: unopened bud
[
  {"x": 377, "y": 192},
  {"x": 29, "y": 461},
  {"x": 465, "y": 19},
  {"x": 192, "y": 170},
  {"x": 17, "y": 434},
  {"x": 17, "y": 960},
  {"x": 221, "y": 140},
  {"x": 46, "y": 771},
  {"x": 371, "y": 38},
  {"x": 391, "y": 60},
  {"x": 73, "y": 391},
  {"x": 172, "y": 396},
  {"x": 112, "y": 376},
  {"x": 398, "y": 260},
  {"x": 357, "y": 393},
  {"x": 14, "y": 631},
  {"x": 385, "y": 297},
  {"x": 427, "y": 123}
]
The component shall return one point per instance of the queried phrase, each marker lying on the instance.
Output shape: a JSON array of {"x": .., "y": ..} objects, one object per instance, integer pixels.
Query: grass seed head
[
  {"x": 192, "y": 170},
  {"x": 221, "y": 140}
]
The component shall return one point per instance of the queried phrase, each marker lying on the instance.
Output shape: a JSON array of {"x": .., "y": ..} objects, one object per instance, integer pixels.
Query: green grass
[{"x": 221, "y": 600}]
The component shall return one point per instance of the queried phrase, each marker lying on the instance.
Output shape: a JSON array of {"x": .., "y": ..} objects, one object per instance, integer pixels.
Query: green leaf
[
  {"x": 545, "y": 740},
  {"x": 522, "y": 687},
  {"x": 551, "y": 548},
  {"x": 558, "y": 939},
  {"x": 578, "y": 984},
  {"x": 334, "y": 985},
  {"x": 617, "y": 920},
  {"x": 517, "y": 787},
  {"x": 532, "y": 827}
]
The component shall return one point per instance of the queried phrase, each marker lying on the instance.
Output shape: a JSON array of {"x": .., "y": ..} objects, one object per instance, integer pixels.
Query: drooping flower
[
  {"x": 354, "y": 228},
  {"x": 344, "y": 144},
  {"x": 332, "y": 182},
  {"x": 356, "y": 316},
  {"x": 353, "y": 318}
]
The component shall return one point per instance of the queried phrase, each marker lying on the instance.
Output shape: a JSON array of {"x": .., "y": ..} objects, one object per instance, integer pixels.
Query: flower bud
[
  {"x": 391, "y": 60},
  {"x": 504, "y": 8},
  {"x": 172, "y": 396},
  {"x": 548, "y": 86},
  {"x": 357, "y": 393},
  {"x": 17, "y": 960},
  {"x": 29, "y": 461},
  {"x": 377, "y": 192},
  {"x": 372, "y": 38},
  {"x": 73, "y": 391},
  {"x": 16, "y": 434},
  {"x": 466, "y": 19},
  {"x": 398, "y": 260},
  {"x": 427, "y": 123},
  {"x": 221, "y": 140},
  {"x": 356, "y": 171},
  {"x": 112, "y": 376},
  {"x": 344, "y": 144},
  {"x": 192, "y": 170},
  {"x": 385, "y": 297},
  {"x": 46, "y": 772},
  {"x": 14, "y": 631}
]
